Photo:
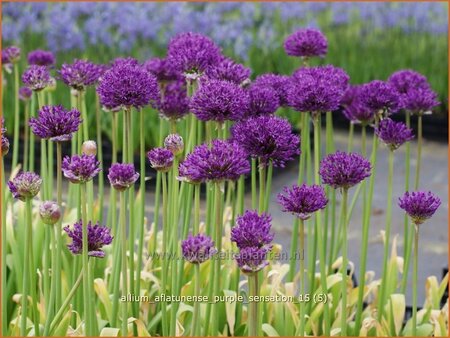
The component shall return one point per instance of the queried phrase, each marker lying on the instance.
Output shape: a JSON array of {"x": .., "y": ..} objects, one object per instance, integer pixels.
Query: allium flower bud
[
  {"x": 89, "y": 147},
  {"x": 198, "y": 249},
  {"x": 174, "y": 143},
  {"x": 160, "y": 159},
  {"x": 50, "y": 212},
  {"x": 25, "y": 185},
  {"x": 5, "y": 145}
]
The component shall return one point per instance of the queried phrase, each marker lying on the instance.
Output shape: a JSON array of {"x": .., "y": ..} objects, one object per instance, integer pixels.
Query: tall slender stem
[
  {"x": 196, "y": 208},
  {"x": 351, "y": 132},
  {"x": 100, "y": 158},
  {"x": 26, "y": 136},
  {"x": 123, "y": 231},
  {"x": 85, "y": 261},
  {"x": 58, "y": 228},
  {"x": 415, "y": 272},
  {"x": 26, "y": 272},
  {"x": 51, "y": 303},
  {"x": 218, "y": 240},
  {"x": 253, "y": 305},
  {"x": 4, "y": 248},
  {"x": 302, "y": 276},
  {"x": 253, "y": 178},
  {"x": 164, "y": 253},
  {"x": 32, "y": 114},
  {"x": 262, "y": 186},
  {"x": 16, "y": 117},
  {"x": 344, "y": 263},
  {"x": 419, "y": 151},
  {"x": 195, "y": 328}
]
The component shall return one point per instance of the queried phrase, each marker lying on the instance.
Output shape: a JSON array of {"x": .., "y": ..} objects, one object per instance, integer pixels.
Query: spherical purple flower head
[
  {"x": 420, "y": 101},
  {"x": 80, "y": 169},
  {"x": 344, "y": 170},
  {"x": 25, "y": 185},
  {"x": 122, "y": 176},
  {"x": 97, "y": 235},
  {"x": 219, "y": 101},
  {"x": 252, "y": 230},
  {"x": 37, "y": 77},
  {"x": 228, "y": 70},
  {"x": 380, "y": 96},
  {"x": 127, "y": 85},
  {"x": 317, "y": 89},
  {"x": 55, "y": 123},
  {"x": 354, "y": 110},
  {"x": 160, "y": 159},
  {"x": 393, "y": 134},
  {"x": 193, "y": 52},
  {"x": 279, "y": 83},
  {"x": 173, "y": 103},
  {"x": 174, "y": 143},
  {"x": 5, "y": 146},
  {"x": 41, "y": 58},
  {"x": 198, "y": 249},
  {"x": 263, "y": 101},
  {"x": 223, "y": 161},
  {"x": 121, "y": 61},
  {"x": 406, "y": 79},
  {"x": 306, "y": 43},
  {"x": 268, "y": 138},
  {"x": 25, "y": 93},
  {"x": 302, "y": 201},
  {"x": 419, "y": 205},
  {"x": 162, "y": 69},
  {"x": 252, "y": 259},
  {"x": 80, "y": 74},
  {"x": 10, "y": 54},
  {"x": 50, "y": 212}
]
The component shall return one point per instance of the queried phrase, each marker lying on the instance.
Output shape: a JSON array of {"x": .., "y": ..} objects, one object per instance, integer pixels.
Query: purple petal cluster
[
  {"x": 306, "y": 43},
  {"x": 218, "y": 100},
  {"x": 80, "y": 74},
  {"x": 25, "y": 93},
  {"x": 55, "y": 123},
  {"x": 279, "y": 83},
  {"x": 419, "y": 205},
  {"x": 268, "y": 138},
  {"x": 5, "y": 146},
  {"x": 25, "y": 185},
  {"x": 98, "y": 236},
  {"x": 317, "y": 89},
  {"x": 252, "y": 230},
  {"x": 127, "y": 84},
  {"x": 354, "y": 110},
  {"x": 174, "y": 143},
  {"x": 394, "y": 134},
  {"x": 193, "y": 52},
  {"x": 41, "y": 58},
  {"x": 198, "y": 249},
  {"x": 50, "y": 212},
  {"x": 161, "y": 159},
  {"x": 420, "y": 101},
  {"x": 223, "y": 160},
  {"x": 302, "y": 201},
  {"x": 122, "y": 176},
  {"x": 162, "y": 69},
  {"x": 263, "y": 101},
  {"x": 406, "y": 79},
  {"x": 252, "y": 259},
  {"x": 37, "y": 77},
  {"x": 228, "y": 70},
  {"x": 344, "y": 170},
  {"x": 10, "y": 54},
  {"x": 80, "y": 169},
  {"x": 174, "y": 102},
  {"x": 380, "y": 96}
]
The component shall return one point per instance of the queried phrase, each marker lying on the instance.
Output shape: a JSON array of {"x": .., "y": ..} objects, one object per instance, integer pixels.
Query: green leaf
[
  {"x": 230, "y": 310},
  {"x": 269, "y": 330},
  {"x": 109, "y": 332},
  {"x": 63, "y": 326}
]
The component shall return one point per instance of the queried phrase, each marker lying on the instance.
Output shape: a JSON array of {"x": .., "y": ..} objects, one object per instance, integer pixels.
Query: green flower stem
[
  {"x": 383, "y": 296},
  {"x": 15, "y": 157},
  {"x": 415, "y": 272},
  {"x": 241, "y": 195},
  {"x": 302, "y": 289},
  {"x": 351, "y": 132},
  {"x": 84, "y": 115},
  {"x": 262, "y": 186},
  {"x": 195, "y": 327},
  {"x": 4, "y": 250},
  {"x": 34, "y": 285},
  {"x": 66, "y": 303},
  {"x": 123, "y": 234},
  {"x": 50, "y": 307},
  {"x": 330, "y": 215},
  {"x": 344, "y": 263},
  {"x": 268, "y": 186},
  {"x": 26, "y": 137},
  {"x": 26, "y": 271},
  {"x": 101, "y": 177},
  {"x": 50, "y": 167},
  {"x": 196, "y": 208},
  {"x": 165, "y": 323},
  {"x": 253, "y": 305},
  {"x": 419, "y": 151},
  {"x": 253, "y": 178},
  {"x": 58, "y": 229},
  {"x": 32, "y": 114}
]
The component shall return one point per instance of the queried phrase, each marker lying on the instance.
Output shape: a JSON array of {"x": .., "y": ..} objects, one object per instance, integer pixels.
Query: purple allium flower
[
  {"x": 252, "y": 259},
  {"x": 162, "y": 69},
  {"x": 218, "y": 100},
  {"x": 174, "y": 143},
  {"x": 160, "y": 159},
  {"x": 25, "y": 93},
  {"x": 193, "y": 52},
  {"x": 344, "y": 170},
  {"x": 354, "y": 110},
  {"x": 127, "y": 85},
  {"x": 80, "y": 74},
  {"x": 419, "y": 205},
  {"x": 279, "y": 83},
  {"x": 122, "y": 176},
  {"x": 25, "y": 185},
  {"x": 198, "y": 249},
  {"x": 306, "y": 43},
  {"x": 80, "y": 169},
  {"x": 55, "y": 123},
  {"x": 10, "y": 54},
  {"x": 228, "y": 70},
  {"x": 317, "y": 89},
  {"x": 263, "y": 101},
  {"x": 174, "y": 102},
  {"x": 50, "y": 212},
  {"x": 252, "y": 230},
  {"x": 380, "y": 96},
  {"x": 303, "y": 200},
  {"x": 224, "y": 160},
  {"x": 406, "y": 79},
  {"x": 420, "y": 100},
  {"x": 393, "y": 134},
  {"x": 268, "y": 138},
  {"x": 41, "y": 58},
  {"x": 5, "y": 145},
  {"x": 124, "y": 61},
  {"x": 98, "y": 236},
  {"x": 36, "y": 77}
]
